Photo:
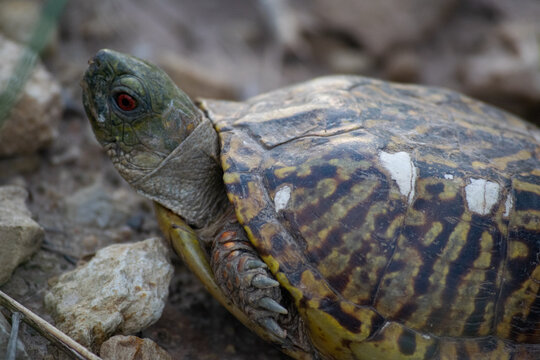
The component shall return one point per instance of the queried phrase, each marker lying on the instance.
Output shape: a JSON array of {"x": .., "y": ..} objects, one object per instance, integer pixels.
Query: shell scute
[{"x": 403, "y": 203}]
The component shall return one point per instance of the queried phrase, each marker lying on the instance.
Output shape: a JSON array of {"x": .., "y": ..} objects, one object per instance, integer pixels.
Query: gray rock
[
  {"x": 97, "y": 205},
  {"x": 380, "y": 25},
  {"x": 32, "y": 122},
  {"x": 403, "y": 66},
  {"x": 132, "y": 348},
  {"x": 5, "y": 331},
  {"x": 21, "y": 236},
  {"x": 196, "y": 80},
  {"x": 507, "y": 66},
  {"x": 122, "y": 290},
  {"x": 18, "y": 19},
  {"x": 22, "y": 164}
]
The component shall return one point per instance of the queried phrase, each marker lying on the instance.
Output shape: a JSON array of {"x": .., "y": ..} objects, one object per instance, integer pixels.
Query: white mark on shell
[
  {"x": 448, "y": 176},
  {"x": 481, "y": 195},
  {"x": 281, "y": 199},
  {"x": 101, "y": 119},
  {"x": 508, "y": 205},
  {"x": 402, "y": 171}
]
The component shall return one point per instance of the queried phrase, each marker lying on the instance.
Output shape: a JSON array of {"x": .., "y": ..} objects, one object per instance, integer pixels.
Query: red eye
[{"x": 126, "y": 102}]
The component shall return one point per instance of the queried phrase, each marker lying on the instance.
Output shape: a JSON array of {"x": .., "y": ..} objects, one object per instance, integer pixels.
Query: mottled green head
[
  {"x": 157, "y": 139},
  {"x": 137, "y": 112}
]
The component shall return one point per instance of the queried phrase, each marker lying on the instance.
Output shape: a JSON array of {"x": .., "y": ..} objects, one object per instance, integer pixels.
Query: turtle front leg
[{"x": 246, "y": 280}]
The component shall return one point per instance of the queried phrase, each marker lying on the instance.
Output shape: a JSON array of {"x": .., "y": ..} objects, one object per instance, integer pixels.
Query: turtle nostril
[{"x": 94, "y": 64}]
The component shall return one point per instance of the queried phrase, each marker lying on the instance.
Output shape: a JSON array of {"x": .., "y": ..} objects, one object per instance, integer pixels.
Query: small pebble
[{"x": 121, "y": 347}]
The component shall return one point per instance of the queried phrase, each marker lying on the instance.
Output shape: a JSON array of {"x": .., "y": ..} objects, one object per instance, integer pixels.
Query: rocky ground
[{"x": 76, "y": 203}]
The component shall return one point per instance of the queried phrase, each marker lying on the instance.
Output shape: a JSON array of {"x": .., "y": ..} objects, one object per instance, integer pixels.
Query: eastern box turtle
[{"x": 342, "y": 218}]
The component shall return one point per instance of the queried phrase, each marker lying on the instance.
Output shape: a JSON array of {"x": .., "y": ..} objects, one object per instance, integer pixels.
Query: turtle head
[
  {"x": 157, "y": 139},
  {"x": 137, "y": 113}
]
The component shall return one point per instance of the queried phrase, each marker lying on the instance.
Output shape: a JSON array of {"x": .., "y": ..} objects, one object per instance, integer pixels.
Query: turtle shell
[{"x": 404, "y": 221}]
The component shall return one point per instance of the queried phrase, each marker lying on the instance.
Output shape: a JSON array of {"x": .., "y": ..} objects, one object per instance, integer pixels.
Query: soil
[{"x": 235, "y": 49}]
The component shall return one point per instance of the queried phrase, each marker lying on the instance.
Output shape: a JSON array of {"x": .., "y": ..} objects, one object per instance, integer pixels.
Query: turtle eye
[{"x": 126, "y": 102}]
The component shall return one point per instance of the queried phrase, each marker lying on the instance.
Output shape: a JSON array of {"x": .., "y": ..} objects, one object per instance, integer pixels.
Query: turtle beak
[
  {"x": 101, "y": 66},
  {"x": 95, "y": 85}
]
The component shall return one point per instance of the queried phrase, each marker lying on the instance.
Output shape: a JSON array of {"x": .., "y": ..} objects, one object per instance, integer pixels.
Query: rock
[
  {"x": 90, "y": 242},
  {"x": 68, "y": 156},
  {"x": 5, "y": 331},
  {"x": 20, "y": 235},
  {"x": 508, "y": 66},
  {"x": 23, "y": 164},
  {"x": 18, "y": 19},
  {"x": 122, "y": 290},
  {"x": 132, "y": 348},
  {"x": 381, "y": 25},
  {"x": 195, "y": 80},
  {"x": 32, "y": 122},
  {"x": 281, "y": 23},
  {"x": 348, "y": 61},
  {"x": 403, "y": 66},
  {"x": 339, "y": 56},
  {"x": 97, "y": 205}
]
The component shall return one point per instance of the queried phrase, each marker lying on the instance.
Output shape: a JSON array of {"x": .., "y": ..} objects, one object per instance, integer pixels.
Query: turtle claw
[
  {"x": 272, "y": 305},
  {"x": 264, "y": 282},
  {"x": 247, "y": 281},
  {"x": 272, "y": 327},
  {"x": 254, "y": 263}
]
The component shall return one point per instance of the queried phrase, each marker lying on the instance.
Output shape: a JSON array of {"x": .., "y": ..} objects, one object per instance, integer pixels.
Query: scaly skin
[
  {"x": 160, "y": 123},
  {"x": 150, "y": 145},
  {"x": 168, "y": 151},
  {"x": 185, "y": 242}
]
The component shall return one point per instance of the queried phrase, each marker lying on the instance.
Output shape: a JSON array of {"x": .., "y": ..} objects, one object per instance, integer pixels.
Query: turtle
[{"x": 340, "y": 218}]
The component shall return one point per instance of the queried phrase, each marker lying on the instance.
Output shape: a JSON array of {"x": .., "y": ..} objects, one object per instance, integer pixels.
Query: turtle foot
[{"x": 246, "y": 280}]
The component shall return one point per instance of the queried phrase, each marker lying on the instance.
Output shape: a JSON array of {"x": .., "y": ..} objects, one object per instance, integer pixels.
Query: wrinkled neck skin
[{"x": 189, "y": 181}]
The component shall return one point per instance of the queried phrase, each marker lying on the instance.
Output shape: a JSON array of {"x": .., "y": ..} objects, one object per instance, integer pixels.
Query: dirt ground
[{"x": 235, "y": 49}]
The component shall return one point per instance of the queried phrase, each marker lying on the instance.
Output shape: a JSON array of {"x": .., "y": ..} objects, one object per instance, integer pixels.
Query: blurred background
[{"x": 488, "y": 49}]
